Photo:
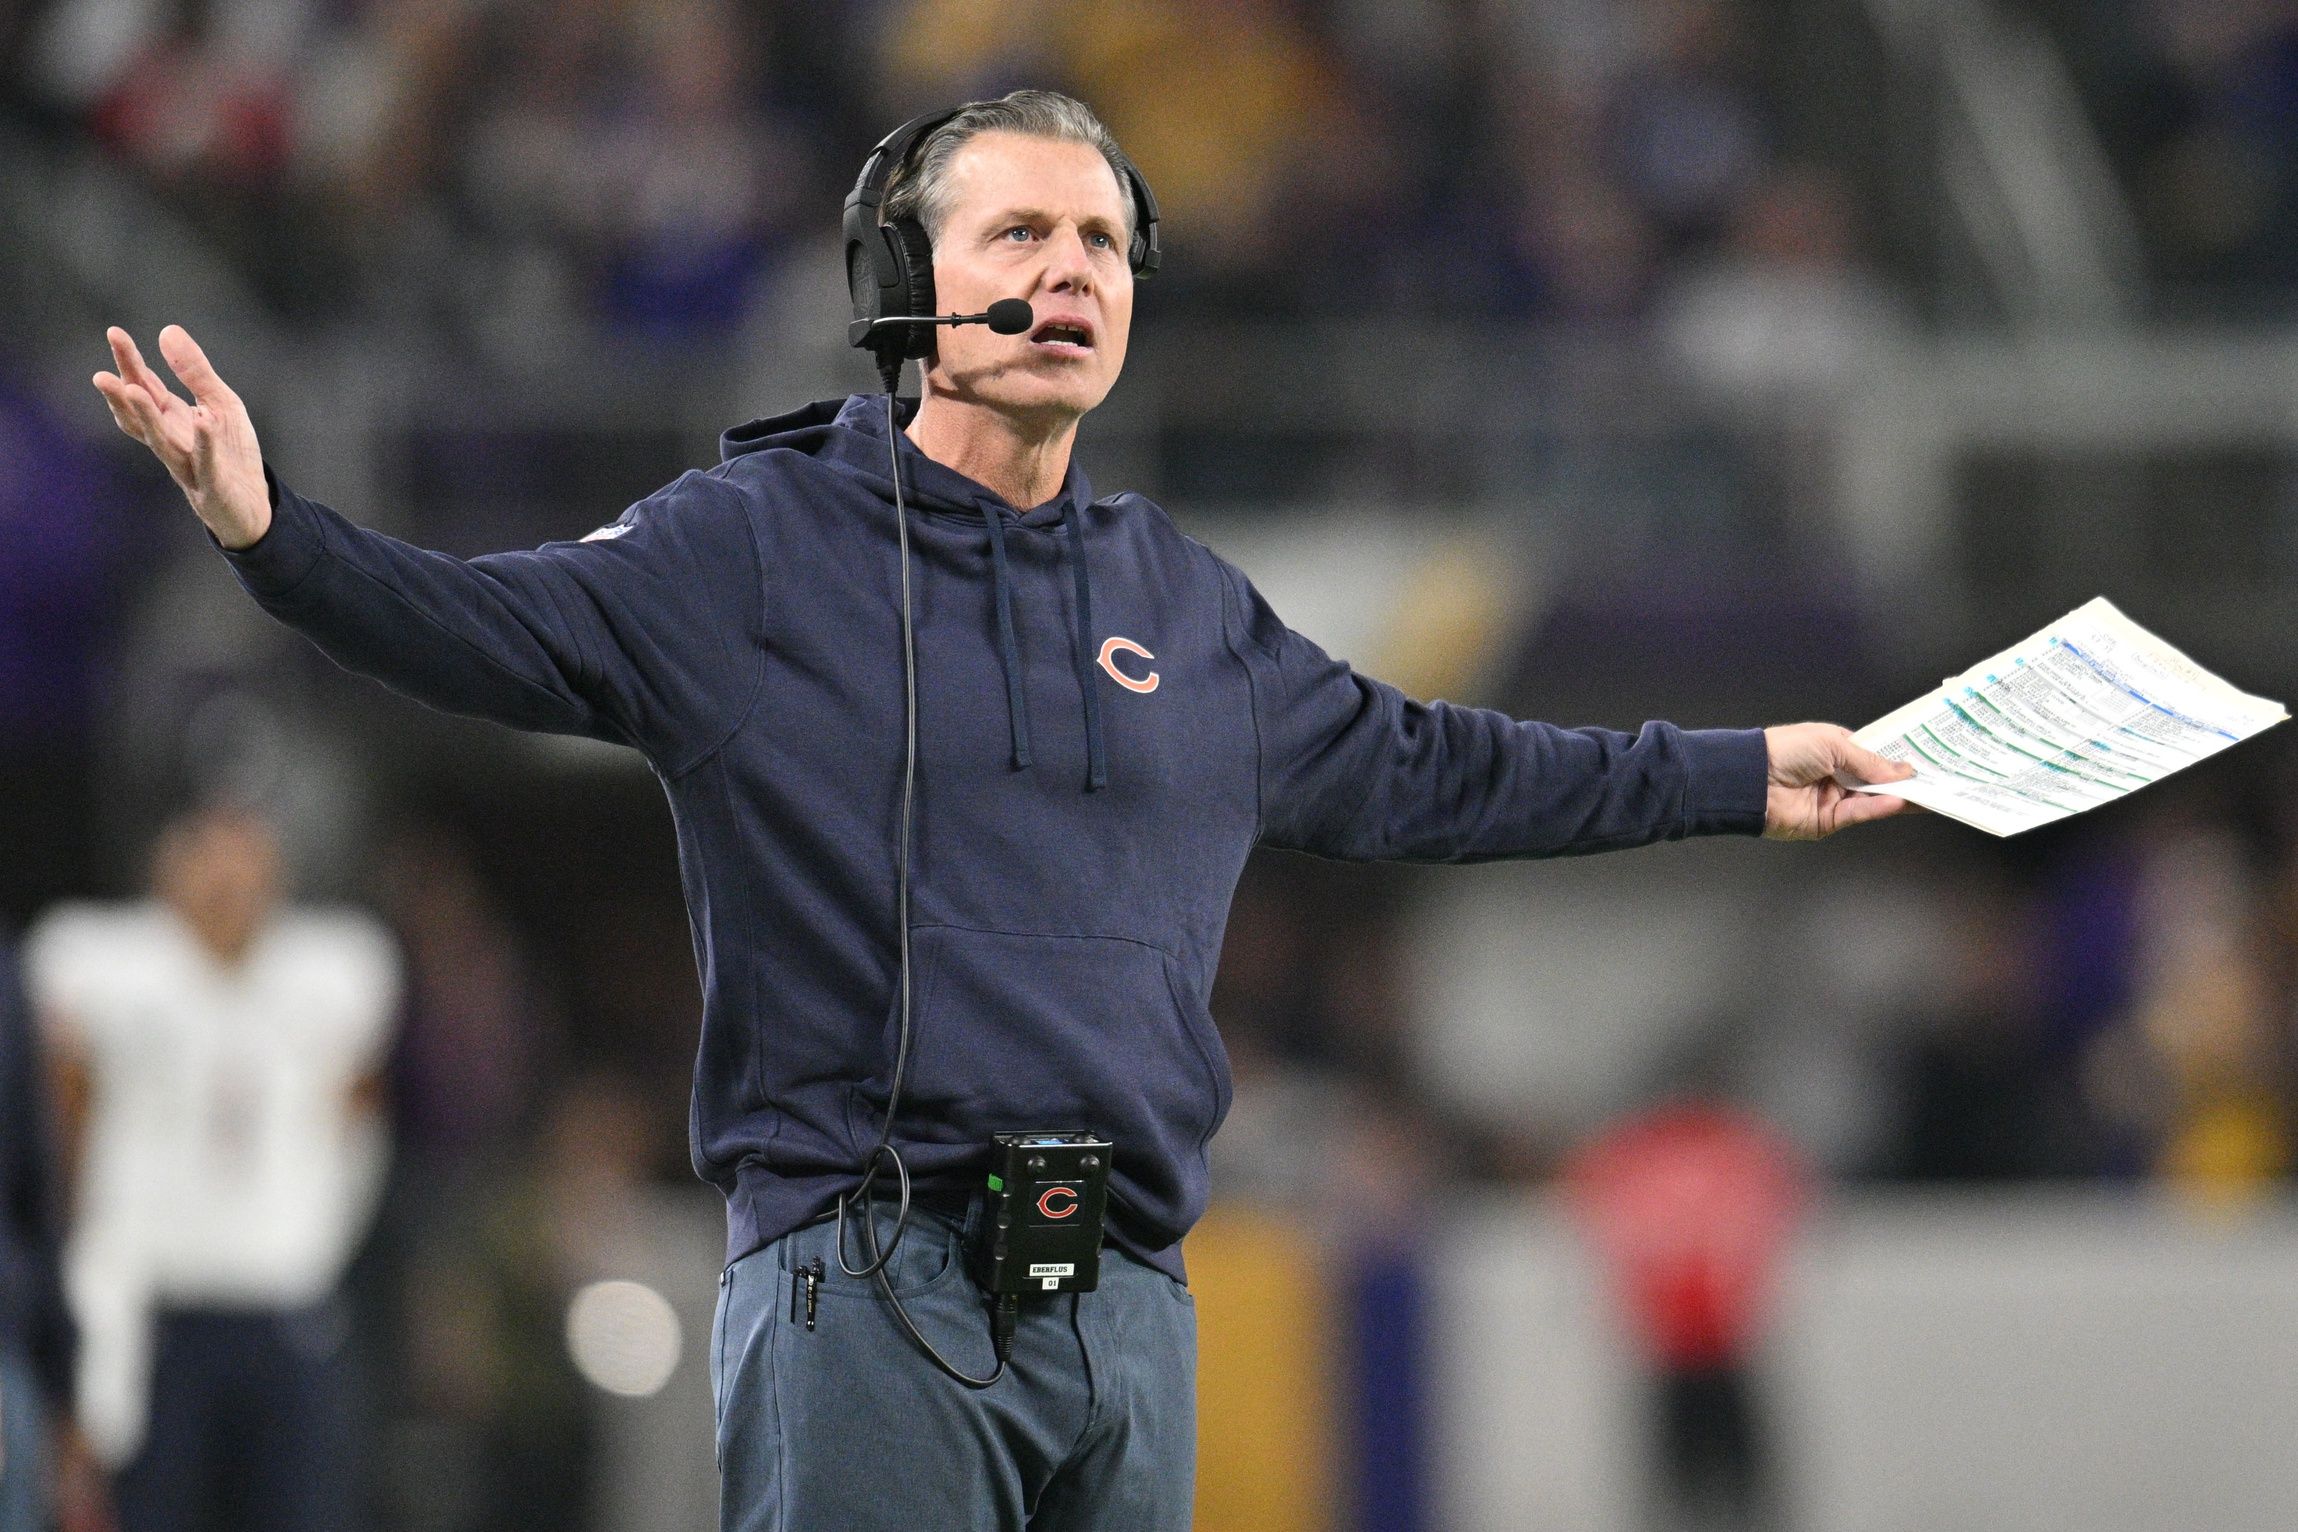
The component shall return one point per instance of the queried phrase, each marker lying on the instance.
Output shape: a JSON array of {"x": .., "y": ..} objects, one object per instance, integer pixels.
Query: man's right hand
[{"x": 208, "y": 446}]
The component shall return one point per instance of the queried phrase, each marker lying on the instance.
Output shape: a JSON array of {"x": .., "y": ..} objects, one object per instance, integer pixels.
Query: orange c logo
[
  {"x": 1067, "y": 1197},
  {"x": 1109, "y": 649}
]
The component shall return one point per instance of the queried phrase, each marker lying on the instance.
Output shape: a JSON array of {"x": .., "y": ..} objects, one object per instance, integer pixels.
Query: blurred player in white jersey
[{"x": 221, "y": 1058}]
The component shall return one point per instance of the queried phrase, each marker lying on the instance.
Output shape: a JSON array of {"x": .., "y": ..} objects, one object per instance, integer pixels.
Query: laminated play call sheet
[{"x": 2086, "y": 711}]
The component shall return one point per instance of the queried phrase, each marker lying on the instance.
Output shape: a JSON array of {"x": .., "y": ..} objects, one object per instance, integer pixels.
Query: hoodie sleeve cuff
[
  {"x": 1727, "y": 780},
  {"x": 276, "y": 562}
]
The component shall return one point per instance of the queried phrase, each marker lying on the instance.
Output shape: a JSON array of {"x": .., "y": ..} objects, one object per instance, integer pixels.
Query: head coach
[{"x": 965, "y": 762}]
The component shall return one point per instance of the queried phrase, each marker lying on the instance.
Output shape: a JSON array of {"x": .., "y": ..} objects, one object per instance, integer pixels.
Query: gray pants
[{"x": 849, "y": 1426}]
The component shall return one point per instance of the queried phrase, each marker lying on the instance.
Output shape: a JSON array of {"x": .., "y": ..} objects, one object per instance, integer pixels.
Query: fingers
[
  {"x": 133, "y": 368},
  {"x": 138, "y": 399},
  {"x": 1867, "y": 766},
  {"x": 189, "y": 362},
  {"x": 134, "y": 409},
  {"x": 135, "y": 412},
  {"x": 1860, "y": 808},
  {"x": 116, "y": 399},
  {"x": 1818, "y": 811}
]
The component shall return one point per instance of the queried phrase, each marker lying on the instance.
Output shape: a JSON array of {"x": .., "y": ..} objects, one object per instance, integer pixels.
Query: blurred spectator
[
  {"x": 1692, "y": 1205},
  {"x": 1785, "y": 313},
  {"x": 2198, "y": 1070},
  {"x": 48, "y": 1476},
  {"x": 222, "y": 1059},
  {"x": 633, "y": 139},
  {"x": 1572, "y": 248},
  {"x": 1973, "y": 1080},
  {"x": 1224, "y": 104},
  {"x": 1567, "y": 242},
  {"x": 377, "y": 107},
  {"x": 200, "y": 97},
  {"x": 1627, "y": 136},
  {"x": 2208, "y": 119},
  {"x": 1684, "y": 127},
  {"x": 195, "y": 105},
  {"x": 699, "y": 186}
]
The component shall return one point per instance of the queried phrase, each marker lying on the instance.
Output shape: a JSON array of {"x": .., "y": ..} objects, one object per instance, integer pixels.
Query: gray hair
[{"x": 922, "y": 191}]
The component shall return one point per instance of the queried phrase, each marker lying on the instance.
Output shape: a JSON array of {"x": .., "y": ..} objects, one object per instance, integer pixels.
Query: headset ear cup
[
  {"x": 913, "y": 256},
  {"x": 1143, "y": 254},
  {"x": 861, "y": 281}
]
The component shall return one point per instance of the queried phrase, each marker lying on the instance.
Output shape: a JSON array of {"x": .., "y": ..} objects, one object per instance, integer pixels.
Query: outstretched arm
[
  {"x": 651, "y": 635},
  {"x": 1352, "y": 768}
]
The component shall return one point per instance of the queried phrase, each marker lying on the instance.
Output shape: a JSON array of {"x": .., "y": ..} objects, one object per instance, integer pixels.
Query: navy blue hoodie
[{"x": 1110, "y": 718}]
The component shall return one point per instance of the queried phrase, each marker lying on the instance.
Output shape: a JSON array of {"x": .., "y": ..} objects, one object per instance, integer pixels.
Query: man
[
  {"x": 1110, "y": 719},
  {"x": 222, "y": 1056}
]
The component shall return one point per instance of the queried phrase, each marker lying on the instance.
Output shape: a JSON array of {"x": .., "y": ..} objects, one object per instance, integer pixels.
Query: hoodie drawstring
[
  {"x": 1016, "y": 708},
  {"x": 1096, "y": 755}
]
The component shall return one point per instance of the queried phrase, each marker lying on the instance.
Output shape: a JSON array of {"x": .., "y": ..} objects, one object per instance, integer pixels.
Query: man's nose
[{"x": 1068, "y": 265}]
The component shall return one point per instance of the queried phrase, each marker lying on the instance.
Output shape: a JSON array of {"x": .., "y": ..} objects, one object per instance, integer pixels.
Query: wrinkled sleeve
[
  {"x": 647, "y": 633},
  {"x": 1352, "y": 768}
]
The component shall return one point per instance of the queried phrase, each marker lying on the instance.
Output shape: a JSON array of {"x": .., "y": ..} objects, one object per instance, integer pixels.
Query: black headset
[{"x": 890, "y": 266}]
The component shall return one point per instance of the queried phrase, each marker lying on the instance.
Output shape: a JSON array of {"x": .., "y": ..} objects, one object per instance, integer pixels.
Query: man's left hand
[{"x": 1814, "y": 767}]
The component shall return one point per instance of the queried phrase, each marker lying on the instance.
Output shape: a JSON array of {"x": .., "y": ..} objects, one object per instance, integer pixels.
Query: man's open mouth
[{"x": 1058, "y": 333}]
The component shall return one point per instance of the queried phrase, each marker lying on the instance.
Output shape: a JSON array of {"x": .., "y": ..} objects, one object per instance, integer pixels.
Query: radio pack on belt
[{"x": 1040, "y": 1230}]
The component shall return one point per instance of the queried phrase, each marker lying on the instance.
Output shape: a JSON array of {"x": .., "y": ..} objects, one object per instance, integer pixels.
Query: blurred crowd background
[{"x": 1720, "y": 360}]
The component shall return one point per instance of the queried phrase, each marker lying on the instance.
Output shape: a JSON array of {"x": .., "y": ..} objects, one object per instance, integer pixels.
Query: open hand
[
  {"x": 1814, "y": 766},
  {"x": 207, "y": 446}
]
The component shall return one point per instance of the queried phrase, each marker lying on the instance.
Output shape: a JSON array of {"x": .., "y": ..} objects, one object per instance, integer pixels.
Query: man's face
[
  {"x": 219, "y": 869},
  {"x": 1044, "y": 220}
]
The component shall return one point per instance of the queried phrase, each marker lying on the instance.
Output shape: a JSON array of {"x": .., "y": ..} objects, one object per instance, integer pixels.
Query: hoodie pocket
[{"x": 1015, "y": 1031}]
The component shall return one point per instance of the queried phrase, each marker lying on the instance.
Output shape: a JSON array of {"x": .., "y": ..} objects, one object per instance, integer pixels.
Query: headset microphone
[
  {"x": 1010, "y": 316},
  {"x": 1007, "y": 316}
]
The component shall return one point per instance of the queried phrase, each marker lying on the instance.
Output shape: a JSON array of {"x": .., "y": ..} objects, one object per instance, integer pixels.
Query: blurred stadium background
[{"x": 1721, "y": 360}]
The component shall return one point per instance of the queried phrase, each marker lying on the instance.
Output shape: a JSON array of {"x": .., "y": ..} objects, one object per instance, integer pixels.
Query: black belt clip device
[{"x": 1041, "y": 1227}]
